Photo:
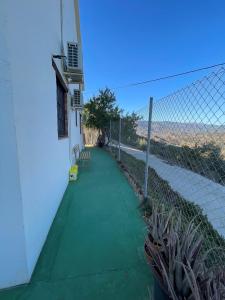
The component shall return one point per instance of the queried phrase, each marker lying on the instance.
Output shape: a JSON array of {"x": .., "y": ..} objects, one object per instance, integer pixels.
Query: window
[
  {"x": 76, "y": 117},
  {"x": 61, "y": 110}
]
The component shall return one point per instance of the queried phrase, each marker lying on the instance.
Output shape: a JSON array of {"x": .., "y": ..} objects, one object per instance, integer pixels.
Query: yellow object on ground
[{"x": 73, "y": 173}]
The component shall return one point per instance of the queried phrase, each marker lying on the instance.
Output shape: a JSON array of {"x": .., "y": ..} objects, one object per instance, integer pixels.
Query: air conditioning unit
[
  {"x": 77, "y": 100},
  {"x": 73, "y": 68},
  {"x": 73, "y": 56}
]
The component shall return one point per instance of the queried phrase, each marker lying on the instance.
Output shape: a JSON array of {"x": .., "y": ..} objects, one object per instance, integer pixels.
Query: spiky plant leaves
[
  {"x": 173, "y": 246},
  {"x": 180, "y": 284},
  {"x": 169, "y": 284},
  {"x": 160, "y": 222},
  {"x": 192, "y": 280}
]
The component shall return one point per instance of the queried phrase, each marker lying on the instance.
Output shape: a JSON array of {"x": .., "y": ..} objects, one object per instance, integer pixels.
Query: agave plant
[
  {"x": 184, "y": 251},
  {"x": 159, "y": 224},
  {"x": 210, "y": 287},
  {"x": 214, "y": 287},
  {"x": 177, "y": 259},
  {"x": 174, "y": 250}
]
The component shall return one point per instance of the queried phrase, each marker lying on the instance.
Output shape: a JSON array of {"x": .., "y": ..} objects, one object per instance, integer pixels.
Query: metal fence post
[
  {"x": 119, "y": 156},
  {"x": 110, "y": 134},
  {"x": 148, "y": 147}
]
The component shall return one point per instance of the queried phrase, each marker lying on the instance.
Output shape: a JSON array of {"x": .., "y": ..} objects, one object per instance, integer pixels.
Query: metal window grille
[
  {"x": 61, "y": 110},
  {"x": 72, "y": 55},
  {"x": 80, "y": 123},
  {"x": 76, "y": 117},
  {"x": 77, "y": 98}
]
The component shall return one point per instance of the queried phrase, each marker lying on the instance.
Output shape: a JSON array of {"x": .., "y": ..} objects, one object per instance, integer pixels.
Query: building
[{"x": 41, "y": 83}]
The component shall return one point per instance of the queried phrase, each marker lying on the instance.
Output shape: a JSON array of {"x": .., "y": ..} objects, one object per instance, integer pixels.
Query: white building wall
[
  {"x": 12, "y": 237},
  {"x": 33, "y": 35},
  {"x": 68, "y": 23},
  {"x": 76, "y": 135}
]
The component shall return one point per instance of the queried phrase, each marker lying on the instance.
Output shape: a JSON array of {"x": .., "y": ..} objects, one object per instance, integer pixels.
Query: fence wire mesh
[{"x": 187, "y": 155}]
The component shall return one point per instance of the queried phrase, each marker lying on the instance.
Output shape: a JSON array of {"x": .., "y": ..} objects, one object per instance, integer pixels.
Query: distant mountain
[{"x": 166, "y": 127}]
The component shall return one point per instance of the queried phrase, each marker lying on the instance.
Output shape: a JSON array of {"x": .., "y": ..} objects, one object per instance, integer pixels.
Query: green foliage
[
  {"x": 129, "y": 129},
  {"x": 100, "y": 109}
]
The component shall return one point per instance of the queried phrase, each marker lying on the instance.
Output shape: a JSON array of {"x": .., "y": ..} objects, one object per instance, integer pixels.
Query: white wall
[
  {"x": 76, "y": 136},
  {"x": 12, "y": 237},
  {"x": 33, "y": 35},
  {"x": 68, "y": 23}
]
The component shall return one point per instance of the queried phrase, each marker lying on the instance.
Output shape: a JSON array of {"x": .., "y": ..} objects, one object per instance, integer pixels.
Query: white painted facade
[{"x": 34, "y": 162}]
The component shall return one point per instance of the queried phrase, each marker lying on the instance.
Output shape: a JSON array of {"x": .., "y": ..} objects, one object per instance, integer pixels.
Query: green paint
[{"x": 94, "y": 249}]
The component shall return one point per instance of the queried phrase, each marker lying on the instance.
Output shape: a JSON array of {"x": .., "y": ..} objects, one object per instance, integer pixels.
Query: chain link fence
[
  {"x": 186, "y": 161},
  {"x": 128, "y": 148}
]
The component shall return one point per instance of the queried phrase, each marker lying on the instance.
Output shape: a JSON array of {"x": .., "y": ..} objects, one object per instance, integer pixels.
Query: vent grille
[
  {"x": 76, "y": 95},
  {"x": 72, "y": 55},
  {"x": 76, "y": 100}
]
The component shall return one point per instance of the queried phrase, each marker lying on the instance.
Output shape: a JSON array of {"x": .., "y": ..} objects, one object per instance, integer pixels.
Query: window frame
[
  {"x": 80, "y": 123},
  {"x": 61, "y": 88},
  {"x": 62, "y": 112}
]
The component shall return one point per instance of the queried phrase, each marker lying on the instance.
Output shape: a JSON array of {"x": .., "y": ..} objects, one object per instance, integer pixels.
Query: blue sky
[{"x": 126, "y": 41}]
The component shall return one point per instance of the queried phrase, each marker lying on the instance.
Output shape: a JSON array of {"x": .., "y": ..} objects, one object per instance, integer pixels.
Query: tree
[
  {"x": 99, "y": 111},
  {"x": 129, "y": 129}
]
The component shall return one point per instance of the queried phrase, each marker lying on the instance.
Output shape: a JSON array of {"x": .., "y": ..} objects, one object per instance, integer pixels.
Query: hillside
[{"x": 184, "y": 133}]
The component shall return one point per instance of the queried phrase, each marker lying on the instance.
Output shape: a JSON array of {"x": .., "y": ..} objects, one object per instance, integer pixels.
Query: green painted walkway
[{"x": 94, "y": 249}]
